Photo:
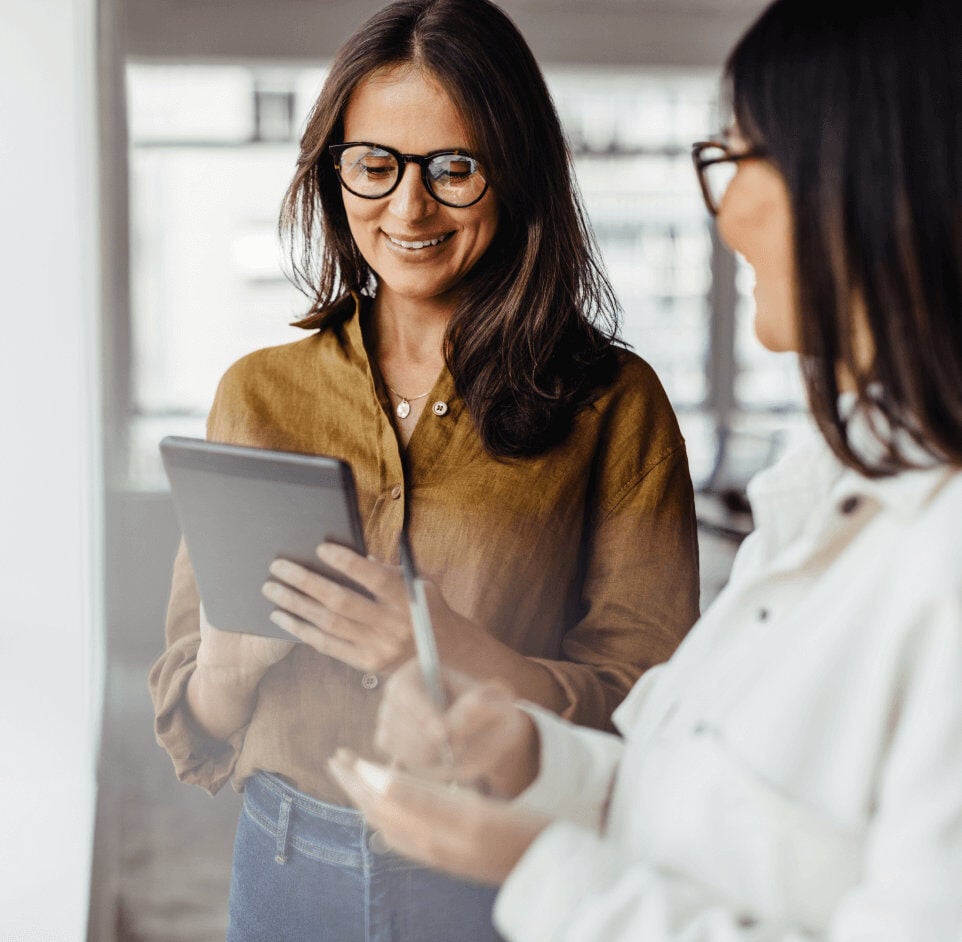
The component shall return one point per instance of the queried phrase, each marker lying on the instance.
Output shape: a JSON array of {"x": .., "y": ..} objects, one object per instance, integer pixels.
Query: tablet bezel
[{"x": 299, "y": 500}]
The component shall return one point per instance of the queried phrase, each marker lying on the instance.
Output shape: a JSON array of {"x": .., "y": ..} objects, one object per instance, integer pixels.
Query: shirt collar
[{"x": 353, "y": 328}]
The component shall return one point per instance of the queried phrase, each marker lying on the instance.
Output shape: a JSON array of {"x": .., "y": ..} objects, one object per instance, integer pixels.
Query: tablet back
[{"x": 241, "y": 508}]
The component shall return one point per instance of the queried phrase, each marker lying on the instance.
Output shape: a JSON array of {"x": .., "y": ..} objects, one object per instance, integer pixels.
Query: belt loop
[{"x": 283, "y": 823}]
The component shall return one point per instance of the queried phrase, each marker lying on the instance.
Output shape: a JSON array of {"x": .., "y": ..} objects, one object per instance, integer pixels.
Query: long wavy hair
[
  {"x": 531, "y": 340},
  {"x": 860, "y": 109}
]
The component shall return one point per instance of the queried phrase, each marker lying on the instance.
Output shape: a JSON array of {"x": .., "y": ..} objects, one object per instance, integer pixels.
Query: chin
[
  {"x": 775, "y": 326},
  {"x": 416, "y": 289},
  {"x": 770, "y": 341}
]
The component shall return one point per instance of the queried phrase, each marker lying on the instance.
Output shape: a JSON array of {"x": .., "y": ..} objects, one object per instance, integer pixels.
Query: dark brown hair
[
  {"x": 860, "y": 109},
  {"x": 531, "y": 339}
]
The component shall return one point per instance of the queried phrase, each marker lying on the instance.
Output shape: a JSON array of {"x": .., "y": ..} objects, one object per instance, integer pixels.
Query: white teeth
[{"x": 416, "y": 245}]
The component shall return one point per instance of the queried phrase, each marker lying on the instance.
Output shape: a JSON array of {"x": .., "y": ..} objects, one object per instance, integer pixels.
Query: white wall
[{"x": 51, "y": 636}]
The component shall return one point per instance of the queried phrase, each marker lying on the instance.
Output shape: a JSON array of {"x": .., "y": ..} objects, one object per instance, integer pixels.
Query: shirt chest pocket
[{"x": 700, "y": 810}]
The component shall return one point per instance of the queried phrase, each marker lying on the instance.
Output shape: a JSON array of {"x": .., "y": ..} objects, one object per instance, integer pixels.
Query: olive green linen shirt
[{"x": 583, "y": 558}]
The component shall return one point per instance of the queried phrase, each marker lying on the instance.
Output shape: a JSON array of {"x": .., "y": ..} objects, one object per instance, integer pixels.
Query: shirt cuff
[
  {"x": 198, "y": 758},
  {"x": 541, "y": 896},
  {"x": 577, "y": 767}
]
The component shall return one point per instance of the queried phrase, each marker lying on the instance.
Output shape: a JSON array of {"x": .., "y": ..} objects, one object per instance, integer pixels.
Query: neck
[
  {"x": 409, "y": 337},
  {"x": 410, "y": 331}
]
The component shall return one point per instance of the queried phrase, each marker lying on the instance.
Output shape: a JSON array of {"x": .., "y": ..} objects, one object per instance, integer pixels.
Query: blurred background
[{"x": 146, "y": 147}]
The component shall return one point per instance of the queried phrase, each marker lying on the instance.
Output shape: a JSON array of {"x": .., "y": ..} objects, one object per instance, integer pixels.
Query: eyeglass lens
[
  {"x": 372, "y": 172},
  {"x": 717, "y": 175}
]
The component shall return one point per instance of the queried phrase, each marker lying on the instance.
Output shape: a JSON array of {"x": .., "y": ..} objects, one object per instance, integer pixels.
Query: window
[{"x": 212, "y": 149}]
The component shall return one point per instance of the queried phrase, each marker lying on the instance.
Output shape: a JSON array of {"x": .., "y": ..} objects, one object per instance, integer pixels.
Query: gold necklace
[{"x": 403, "y": 409}]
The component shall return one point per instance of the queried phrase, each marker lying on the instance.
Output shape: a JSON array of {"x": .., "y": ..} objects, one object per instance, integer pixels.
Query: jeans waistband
[
  {"x": 271, "y": 788},
  {"x": 312, "y": 827}
]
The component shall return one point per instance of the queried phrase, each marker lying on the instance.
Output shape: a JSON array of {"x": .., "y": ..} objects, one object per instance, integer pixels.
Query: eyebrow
[{"x": 451, "y": 149}]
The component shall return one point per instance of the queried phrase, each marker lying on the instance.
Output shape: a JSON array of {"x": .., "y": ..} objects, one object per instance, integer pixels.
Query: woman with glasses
[
  {"x": 461, "y": 359},
  {"x": 794, "y": 771}
]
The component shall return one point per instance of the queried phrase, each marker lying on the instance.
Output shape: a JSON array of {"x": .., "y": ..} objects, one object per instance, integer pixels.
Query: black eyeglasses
[
  {"x": 371, "y": 171},
  {"x": 716, "y": 166}
]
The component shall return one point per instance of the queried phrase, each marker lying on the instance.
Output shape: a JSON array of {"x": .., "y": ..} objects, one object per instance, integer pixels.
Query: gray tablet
[{"x": 241, "y": 508}]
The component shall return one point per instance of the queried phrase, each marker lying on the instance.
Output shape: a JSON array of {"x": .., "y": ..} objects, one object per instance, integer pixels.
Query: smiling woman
[{"x": 461, "y": 357}]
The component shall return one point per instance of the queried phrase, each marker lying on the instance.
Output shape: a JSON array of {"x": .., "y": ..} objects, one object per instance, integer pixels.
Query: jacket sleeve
[
  {"x": 640, "y": 588},
  {"x": 577, "y": 769},
  {"x": 574, "y": 884}
]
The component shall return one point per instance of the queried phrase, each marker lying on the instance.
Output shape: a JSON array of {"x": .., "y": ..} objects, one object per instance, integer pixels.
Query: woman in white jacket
[{"x": 795, "y": 770}]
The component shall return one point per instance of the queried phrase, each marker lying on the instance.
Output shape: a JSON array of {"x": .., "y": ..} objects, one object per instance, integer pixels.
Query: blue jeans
[{"x": 307, "y": 870}]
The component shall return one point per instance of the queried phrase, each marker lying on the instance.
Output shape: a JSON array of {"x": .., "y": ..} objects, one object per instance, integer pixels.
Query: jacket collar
[{"x": 785, "y": 493}]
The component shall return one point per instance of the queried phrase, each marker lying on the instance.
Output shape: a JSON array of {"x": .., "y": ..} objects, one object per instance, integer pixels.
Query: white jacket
[{"x": 794, "y": 772}]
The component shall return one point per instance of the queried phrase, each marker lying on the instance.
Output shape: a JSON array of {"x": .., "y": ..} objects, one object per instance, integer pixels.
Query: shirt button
[
  {"x": 369, "y": 681},
  {"x": 440, "y": 408},
  {"x": 762, "y": 614},
  {"x": 396, "y": 491},
  {"x": 377, "y": 843},
  {"x": 849, "y": 505}
]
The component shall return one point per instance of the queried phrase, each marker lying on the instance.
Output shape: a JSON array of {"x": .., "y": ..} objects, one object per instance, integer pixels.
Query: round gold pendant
[{"x": 403, "y": 409}]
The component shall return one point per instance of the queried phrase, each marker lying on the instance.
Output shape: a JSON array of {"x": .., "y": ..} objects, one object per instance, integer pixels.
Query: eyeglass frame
[
  {"x": 422, "y": 160},
  {"x": 701, "y": 164}
]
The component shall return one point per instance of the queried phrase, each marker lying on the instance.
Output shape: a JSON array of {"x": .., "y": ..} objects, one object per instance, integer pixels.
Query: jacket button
[
  {"x": 440, "y": 408},
  {"x": 396, "y": 491},
  {"x": 369, "y": 681},
  {"x": 849, "y": 505}
]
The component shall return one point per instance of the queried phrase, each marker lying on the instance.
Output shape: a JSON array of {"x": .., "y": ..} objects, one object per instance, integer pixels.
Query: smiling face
[
  {"x": 419, "y": 249},
  {"x": 755, "y": 220}
]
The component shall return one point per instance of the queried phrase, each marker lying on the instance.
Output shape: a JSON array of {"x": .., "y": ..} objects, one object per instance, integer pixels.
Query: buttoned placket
[
  {"x": 400, "y": 471},
  {"x": 761, "y": 600},
  {"x": 834, "y": 521},
  {"x": 404, "y": 470}
]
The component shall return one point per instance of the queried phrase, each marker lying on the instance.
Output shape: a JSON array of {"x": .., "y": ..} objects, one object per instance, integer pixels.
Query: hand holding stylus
[{"x": 493, "y": 743}]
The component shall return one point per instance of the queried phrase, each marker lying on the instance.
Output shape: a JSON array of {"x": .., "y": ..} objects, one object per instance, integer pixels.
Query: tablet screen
[{"x": 241, "y": 508}]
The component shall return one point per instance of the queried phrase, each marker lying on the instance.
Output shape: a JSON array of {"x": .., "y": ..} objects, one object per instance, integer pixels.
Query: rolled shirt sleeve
[{"x": 198, "y": 758}]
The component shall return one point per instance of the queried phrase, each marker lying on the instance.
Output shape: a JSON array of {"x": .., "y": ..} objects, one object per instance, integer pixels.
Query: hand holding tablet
[{"x": 241, "y": 508}]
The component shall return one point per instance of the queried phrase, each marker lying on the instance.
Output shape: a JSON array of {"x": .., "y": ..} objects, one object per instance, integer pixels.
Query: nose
[{"x": 411, "y": 200}]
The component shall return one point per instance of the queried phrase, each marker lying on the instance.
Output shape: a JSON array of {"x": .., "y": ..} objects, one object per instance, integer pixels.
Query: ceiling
[
  {"x": 734, "y": 7},
  {"x": 602, "y": 32}
]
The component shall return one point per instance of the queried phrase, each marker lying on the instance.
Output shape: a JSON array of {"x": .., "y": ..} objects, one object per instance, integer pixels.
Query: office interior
[{"x": 147, "y": 144}]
